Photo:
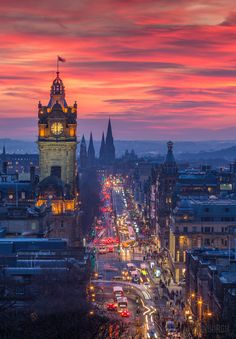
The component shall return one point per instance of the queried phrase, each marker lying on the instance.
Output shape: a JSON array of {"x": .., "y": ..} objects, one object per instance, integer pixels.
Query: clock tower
[{"x": 57, "y": 140}]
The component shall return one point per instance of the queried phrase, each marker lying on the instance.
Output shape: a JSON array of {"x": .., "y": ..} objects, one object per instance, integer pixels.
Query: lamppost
[
  {"x": 196, "y": 305},
  {"x": 201, "y": 315}
]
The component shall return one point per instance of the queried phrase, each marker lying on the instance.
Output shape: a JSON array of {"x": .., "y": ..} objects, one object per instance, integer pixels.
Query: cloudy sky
[{"x": 161, "y": 69}]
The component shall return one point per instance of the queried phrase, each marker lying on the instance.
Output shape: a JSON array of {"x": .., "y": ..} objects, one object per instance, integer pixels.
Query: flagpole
[{"x": 57, "y": 66}]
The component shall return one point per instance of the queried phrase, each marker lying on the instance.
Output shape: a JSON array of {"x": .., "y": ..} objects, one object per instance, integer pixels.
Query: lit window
[
  {"x": 33, "y": 226},
  {"x": 177, "y": 255}
]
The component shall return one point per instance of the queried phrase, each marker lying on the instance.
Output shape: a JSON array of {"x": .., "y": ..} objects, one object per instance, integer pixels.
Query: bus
[
  {"x": 122, "y": 304},
  {"x": 118, "y": 292}
]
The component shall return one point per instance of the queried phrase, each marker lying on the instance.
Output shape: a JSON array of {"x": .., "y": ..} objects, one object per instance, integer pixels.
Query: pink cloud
[{"x": 165, "y": 64}]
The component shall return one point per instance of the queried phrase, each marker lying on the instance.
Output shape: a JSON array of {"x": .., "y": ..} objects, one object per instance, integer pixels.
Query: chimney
[
  {"x": 32, "y": 174},
  {"x": 4, "y": 167}
]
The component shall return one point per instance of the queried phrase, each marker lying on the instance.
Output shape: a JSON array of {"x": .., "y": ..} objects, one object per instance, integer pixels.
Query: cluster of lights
[{"x": 200, "y": 303}]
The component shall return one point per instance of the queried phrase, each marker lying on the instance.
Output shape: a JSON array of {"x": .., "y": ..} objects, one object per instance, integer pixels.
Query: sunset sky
[{"x": 161, "y": 69}]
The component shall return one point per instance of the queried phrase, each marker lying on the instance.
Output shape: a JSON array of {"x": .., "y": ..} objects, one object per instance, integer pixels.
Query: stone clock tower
[{"x": 57, "y": 140}]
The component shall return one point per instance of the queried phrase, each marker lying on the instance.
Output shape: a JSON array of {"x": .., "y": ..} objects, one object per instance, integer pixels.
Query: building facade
[
  {"x": 196, "y": 224},
  {"x": 58, "y": 180},
  {"x": 166, "y": 178},
  {"x": 210, "y": 290},
  {"x": 57, "y": 139}
]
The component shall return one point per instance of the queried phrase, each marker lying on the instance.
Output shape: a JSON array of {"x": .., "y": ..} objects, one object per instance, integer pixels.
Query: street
[{"x": 153, "y": 301}]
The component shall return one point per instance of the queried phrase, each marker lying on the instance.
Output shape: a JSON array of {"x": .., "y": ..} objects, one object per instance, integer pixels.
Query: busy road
[{"x": 125, "y": 263}]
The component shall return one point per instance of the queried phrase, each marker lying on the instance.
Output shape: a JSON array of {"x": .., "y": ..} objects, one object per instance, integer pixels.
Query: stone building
[
  {"x": 209, "y": 223},
  {"x": 166, "y": 177},
  {"x": 211, "y": 289},
  {"x": 57, "y": 142}
]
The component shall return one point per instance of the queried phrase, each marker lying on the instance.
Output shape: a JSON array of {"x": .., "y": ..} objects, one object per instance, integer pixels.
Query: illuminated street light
[{"x": 209, "y": 314}]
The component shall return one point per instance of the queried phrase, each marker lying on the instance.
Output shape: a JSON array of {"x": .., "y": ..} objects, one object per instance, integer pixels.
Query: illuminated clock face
[{"x": 57, "y": 128}]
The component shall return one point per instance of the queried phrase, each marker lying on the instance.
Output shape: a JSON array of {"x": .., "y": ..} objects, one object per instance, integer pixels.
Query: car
[
  {"x": 125, "y": 313},
  {"x": 95, "y": 275},
  {"x": 111, "y": 307},
  {"x": 152, "y": 334},
  {"x": 182, "y": 282},
  {"x": 117, "y": 278},
  {"x": 111, "y": 249},
  {"x": 170, "y": 327},
  {"x": 146, "y": 283},
  {"x": 102, "y": 250},
  {"x": 125, "y": 273}
]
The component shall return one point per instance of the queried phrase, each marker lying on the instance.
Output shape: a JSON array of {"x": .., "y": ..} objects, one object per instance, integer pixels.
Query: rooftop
[
  {"x": 26, "y": 239},
  {"x": 228, "y": 277},
  {"x": 214, "y": 202}
]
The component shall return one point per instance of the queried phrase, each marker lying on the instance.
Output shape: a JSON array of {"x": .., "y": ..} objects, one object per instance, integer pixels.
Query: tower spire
[
  {"x": 110, "y": 148},
  {"x": 170, "y": 165},
  {"x": 83, "y": 153},
  {"x": 91, "y": 151},
  {"x": 57, "y": 93},
  {"x": 102, "y": 151}
]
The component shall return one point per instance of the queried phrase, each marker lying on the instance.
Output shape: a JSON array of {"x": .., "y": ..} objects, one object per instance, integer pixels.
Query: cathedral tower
[
  {"x": 110, "y": 148},
  {"x": 91, "y": 152},
  {"x": 83, "y": 153},
  {"x": 102, "y": 152}
]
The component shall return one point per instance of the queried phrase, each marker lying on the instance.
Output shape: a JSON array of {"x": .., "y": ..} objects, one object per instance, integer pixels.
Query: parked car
[
  {"x": 170, "y": 327},
  {"x": 182, "y": 282},
  {"x": 146, "y": 283},
  {"x": 152, "y": 334}
]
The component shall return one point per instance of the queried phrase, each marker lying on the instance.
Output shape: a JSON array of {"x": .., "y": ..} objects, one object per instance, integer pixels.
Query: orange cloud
[{"x": 162, "y": 66}]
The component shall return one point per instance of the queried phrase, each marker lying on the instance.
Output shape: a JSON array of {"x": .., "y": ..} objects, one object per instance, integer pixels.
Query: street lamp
[
  {"x": 200, "y": 302},
  {"x": 209, "y": 314}
]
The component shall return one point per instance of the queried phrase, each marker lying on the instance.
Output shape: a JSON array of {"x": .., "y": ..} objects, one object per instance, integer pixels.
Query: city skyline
[{"x": 160, "y": 70}]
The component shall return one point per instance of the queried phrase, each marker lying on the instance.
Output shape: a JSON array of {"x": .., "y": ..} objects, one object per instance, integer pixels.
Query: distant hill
[
  {"x": 18, "y": 146},
  {"x": 228, "y": 154},
  {"x": 183, "y": 150}
]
